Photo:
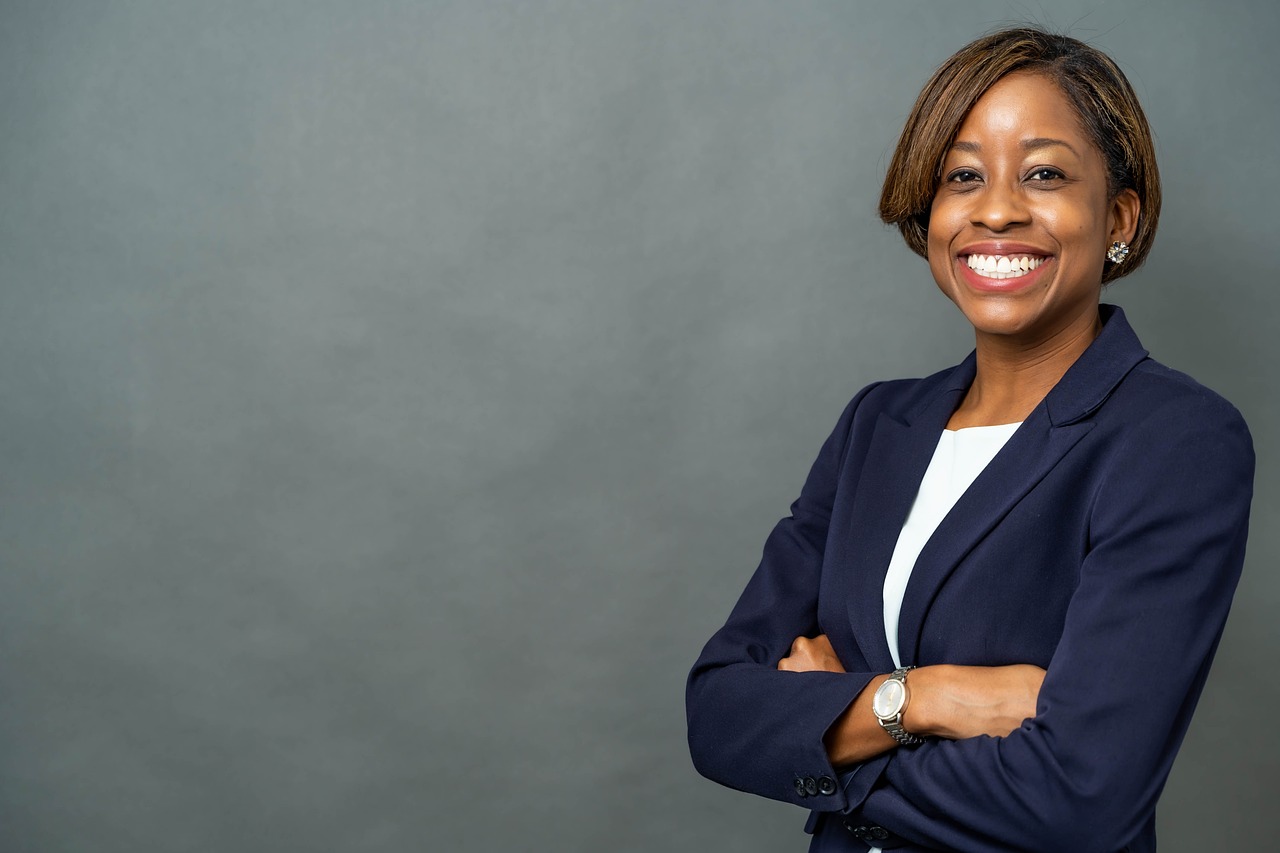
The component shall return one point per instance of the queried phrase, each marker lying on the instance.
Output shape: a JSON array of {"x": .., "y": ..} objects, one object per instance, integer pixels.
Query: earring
[{"x": 1118, "y": 252}]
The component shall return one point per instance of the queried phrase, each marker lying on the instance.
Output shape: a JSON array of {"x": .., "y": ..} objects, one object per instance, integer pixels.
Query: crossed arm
[{"x": 947, "y": 701}]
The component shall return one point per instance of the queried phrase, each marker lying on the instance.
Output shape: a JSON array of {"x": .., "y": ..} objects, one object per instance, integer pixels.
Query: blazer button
[
  {"x": 800, "y": 787},
  {"x": 861, "y": 833},
  {"x": 811, "y": 786},
  {"x": 879, "y": 833},
  {"x": 826, "y": 786}
]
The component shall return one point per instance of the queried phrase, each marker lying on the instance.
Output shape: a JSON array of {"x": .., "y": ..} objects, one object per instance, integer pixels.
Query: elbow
[
  {"x": 1063, "y": 798},
  {"x": 710, "y": 754},
  {"x": 1076, "y": 839},
  {"x": 704, "y": 762},
  {"x": 701, "y": 730},
  {"x": 698, "y": 750},
  {"x": 1074, "y": 819},
  {"x": 714, "y": 735},
  {"x": 1080, "y": 838}
]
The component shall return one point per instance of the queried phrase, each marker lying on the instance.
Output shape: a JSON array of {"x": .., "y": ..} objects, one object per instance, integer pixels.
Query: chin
[
  {"x": 1001, "y": 324},
  {"x": 997, "y": 315}
]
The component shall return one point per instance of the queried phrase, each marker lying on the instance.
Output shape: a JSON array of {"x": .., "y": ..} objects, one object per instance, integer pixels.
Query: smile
[{"x": 1003, "y": 266}]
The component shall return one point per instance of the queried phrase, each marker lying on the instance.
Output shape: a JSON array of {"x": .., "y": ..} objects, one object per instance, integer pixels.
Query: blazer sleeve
[
  {"x": 752, "y": 727},
  {"x": 1165, "y": 549}
]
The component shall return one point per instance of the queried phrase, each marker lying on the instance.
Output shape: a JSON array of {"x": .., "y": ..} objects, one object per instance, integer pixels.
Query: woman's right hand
[{"x": 966, "y": 701}]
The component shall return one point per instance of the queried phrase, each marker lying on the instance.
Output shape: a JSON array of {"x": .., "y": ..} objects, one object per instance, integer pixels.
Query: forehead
[{"x": 1020, "y": 106}]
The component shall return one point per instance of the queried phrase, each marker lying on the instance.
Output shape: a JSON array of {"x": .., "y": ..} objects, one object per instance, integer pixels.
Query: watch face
[{"x": 888, "y": 699}]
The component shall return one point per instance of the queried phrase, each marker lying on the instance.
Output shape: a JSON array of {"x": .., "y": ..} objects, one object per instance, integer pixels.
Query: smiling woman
[{"x": 988, "y": 618}]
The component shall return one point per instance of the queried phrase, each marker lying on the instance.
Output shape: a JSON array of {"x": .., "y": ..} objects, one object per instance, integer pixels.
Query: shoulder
[
  {"x": 1169, "y": 454},
  {"x": 1160, "y": 426},
  {"x": 898, "y": 398},
  {"x": 1159, "y": 397}
]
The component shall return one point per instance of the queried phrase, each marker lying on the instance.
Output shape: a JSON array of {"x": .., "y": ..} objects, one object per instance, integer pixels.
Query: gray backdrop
[{"x": 396, "y": 395}]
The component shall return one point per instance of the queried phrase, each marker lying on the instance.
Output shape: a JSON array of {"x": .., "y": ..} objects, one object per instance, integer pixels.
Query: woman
[{"x": 988, "y": 618}]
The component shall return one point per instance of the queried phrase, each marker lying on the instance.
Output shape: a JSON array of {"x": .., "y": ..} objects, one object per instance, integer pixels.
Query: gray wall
[{"x": 394, "y": 396}]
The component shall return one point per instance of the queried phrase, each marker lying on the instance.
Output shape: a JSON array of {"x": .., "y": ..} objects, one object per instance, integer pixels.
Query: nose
[{"x": 999, "y": 206}]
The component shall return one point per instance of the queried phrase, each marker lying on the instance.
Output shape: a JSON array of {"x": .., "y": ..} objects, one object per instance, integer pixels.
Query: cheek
[
  {"x": 939, "y": 258},
  {"x": 940, "y": 230},
  {"x": 1079, "y": 232},
  {"x": 1077, "y": 223},
  {"x": 941, "y": 234}
]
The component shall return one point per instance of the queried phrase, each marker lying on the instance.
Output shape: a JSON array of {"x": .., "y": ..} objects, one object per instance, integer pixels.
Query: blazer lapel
[
  {"x": 1029, "y": 455},
  {"x": 896, "y": 459},
  {"x": 1048, "y": 434}
]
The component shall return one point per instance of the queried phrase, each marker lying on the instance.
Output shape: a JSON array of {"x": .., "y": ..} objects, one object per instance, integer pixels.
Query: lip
[{"x": 1001, "y": 247}]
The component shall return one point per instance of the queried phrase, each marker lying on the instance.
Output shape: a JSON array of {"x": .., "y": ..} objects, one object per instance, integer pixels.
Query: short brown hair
[{"x": 1107, "y": 107}]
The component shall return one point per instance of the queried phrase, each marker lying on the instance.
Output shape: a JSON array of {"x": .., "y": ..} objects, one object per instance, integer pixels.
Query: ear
[{"x": 1123, "y": 216}]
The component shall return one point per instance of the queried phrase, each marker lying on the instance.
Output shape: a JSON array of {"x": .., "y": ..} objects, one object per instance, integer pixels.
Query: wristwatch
[{"x": 888, "y": 703}]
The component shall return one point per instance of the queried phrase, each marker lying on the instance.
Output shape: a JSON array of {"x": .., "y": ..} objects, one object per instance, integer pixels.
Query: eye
[
  {"x": 963, "y": 176},
  {"x": 1045, "y": 173}
]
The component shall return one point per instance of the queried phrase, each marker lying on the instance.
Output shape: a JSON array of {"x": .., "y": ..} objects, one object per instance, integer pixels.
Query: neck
[{"x": 1014, "y": 375}]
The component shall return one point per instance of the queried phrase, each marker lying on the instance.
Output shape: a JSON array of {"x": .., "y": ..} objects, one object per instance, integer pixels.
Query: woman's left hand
[{"x": 814, "y": 655}]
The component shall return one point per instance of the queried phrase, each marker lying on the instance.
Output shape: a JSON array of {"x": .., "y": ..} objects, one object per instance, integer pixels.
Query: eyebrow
[{"x": 1027, "y": 145}]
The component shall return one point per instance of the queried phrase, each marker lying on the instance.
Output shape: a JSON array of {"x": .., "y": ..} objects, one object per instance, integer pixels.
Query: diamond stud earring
[{"x": 1118, "y": 252}]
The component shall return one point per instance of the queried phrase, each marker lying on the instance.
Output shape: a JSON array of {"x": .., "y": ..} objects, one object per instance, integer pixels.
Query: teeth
[{"x": 1003, "y": 266}]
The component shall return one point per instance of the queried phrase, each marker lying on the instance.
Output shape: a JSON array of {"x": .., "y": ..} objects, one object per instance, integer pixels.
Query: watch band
[{"x": 893, "y": 725}]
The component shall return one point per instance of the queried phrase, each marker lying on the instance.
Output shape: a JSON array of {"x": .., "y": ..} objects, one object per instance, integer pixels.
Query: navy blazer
[{"x": 1103, "y": 543}]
